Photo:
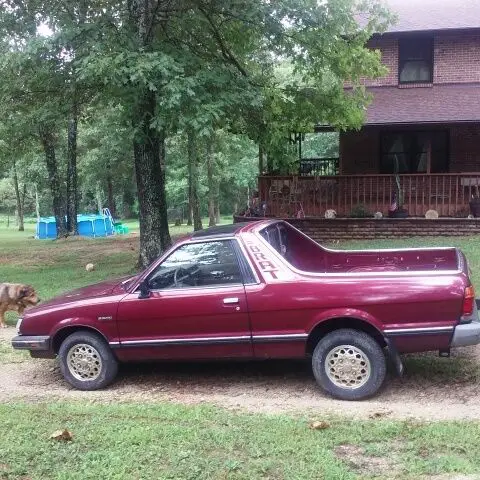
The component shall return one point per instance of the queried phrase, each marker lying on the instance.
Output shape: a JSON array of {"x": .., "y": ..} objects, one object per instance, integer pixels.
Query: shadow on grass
[{"x": 461, "y": 367}]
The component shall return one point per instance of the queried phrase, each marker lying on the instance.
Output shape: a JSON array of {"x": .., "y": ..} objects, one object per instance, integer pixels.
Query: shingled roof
[
  {"x": 424, "y": 15},
  {"x": 435, "y": 104}
]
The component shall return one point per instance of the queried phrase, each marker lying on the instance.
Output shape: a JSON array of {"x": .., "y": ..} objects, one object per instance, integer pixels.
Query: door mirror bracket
[{"x": 144, "y": 290}]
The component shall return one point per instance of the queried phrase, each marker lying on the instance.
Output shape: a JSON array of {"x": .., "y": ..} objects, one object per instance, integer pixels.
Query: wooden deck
[{"x": 448, "y": 194}]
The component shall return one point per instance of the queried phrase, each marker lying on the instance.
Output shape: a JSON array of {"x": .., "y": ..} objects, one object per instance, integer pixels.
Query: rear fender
[
  {"x": 353, "y": 318},
  {"x": 339, "y": 313}
]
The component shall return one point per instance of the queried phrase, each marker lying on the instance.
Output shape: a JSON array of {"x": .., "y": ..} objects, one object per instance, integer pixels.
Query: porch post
[
  {"x": 260, "y": 159},
  {"x": 340, "y": 155}
]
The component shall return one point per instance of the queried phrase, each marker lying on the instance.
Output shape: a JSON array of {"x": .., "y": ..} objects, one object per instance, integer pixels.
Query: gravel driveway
[{"x": 432, "y": 389}]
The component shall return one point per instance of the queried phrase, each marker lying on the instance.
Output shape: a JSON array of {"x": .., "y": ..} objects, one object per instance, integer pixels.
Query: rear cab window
[{"x": 298, "y": 250}]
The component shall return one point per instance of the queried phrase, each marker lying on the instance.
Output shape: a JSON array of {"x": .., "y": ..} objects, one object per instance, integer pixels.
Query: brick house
[{"x": 423, "y": 123}]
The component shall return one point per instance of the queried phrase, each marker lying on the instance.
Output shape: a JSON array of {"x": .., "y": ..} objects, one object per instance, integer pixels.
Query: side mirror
[{"x": 144, "y": 290}]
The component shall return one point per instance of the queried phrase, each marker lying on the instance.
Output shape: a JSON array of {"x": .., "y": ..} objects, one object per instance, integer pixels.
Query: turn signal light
[{"x": 468, "y": 301}]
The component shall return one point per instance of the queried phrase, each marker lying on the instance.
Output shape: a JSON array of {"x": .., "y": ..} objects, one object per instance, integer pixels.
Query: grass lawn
[{"x": 183, "y": 442}]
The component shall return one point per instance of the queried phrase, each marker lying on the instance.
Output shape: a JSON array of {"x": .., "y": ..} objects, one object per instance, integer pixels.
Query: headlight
[{"x": 18, "y": 326}]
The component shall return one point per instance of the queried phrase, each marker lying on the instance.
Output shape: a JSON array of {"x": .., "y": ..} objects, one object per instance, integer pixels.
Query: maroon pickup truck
[{"x": 258, "y": 291}]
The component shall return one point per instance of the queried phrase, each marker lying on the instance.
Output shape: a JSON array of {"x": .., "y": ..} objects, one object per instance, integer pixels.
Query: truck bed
[
  {"x": 392, "y": 260},
  {"x": 305, "y": 254}
]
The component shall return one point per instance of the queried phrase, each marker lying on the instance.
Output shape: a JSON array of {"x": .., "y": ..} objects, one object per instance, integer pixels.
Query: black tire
[
  {"x": 370, "y": 369},
  {"x": 99, "y": 370}
]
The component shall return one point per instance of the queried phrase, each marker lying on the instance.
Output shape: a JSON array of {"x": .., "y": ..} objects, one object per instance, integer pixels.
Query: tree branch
[{"x": 227, "y": 54}]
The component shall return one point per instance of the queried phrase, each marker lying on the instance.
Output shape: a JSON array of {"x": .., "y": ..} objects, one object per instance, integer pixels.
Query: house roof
[
  {"x": 434, "y": 104},
  {"x": 424, "y": 15}
]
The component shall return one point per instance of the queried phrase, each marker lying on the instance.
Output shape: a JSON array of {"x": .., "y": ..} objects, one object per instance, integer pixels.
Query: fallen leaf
[
  {"x": 319, "y": 425},
  {"x": 64, "y": 435}
]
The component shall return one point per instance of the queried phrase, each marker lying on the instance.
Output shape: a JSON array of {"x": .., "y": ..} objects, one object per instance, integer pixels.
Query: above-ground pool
[{"x": 88, "y": 226}]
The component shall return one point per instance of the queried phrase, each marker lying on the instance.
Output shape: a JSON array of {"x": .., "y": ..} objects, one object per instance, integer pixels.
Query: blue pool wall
[{"x": 88, "y": 226}]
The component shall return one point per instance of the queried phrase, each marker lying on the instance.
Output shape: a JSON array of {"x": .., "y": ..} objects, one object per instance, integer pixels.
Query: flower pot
[
  {"x": 475, "y": 206},
  {"x": 399, "y": 213}
]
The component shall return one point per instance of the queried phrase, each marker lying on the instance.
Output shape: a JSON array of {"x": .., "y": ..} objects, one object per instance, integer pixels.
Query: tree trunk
[
  {"x": 127, "y": 203},
  {"x": 261, "y": 163},
  {"x": 48, "y": 142},
  {"x": 110, "y": 196},
  {"x": 211, "y": 182},
  {"x": 269, "y": 164},
  {"x": 148, "y": 145},
  {"x": 193, "y": 165},
  {"x": 189, "y": 204},
  {"x": 37, "y": 202},
  {"x": 22, "y": 201},
  {"x": 19, "y": 211},
  {"x": 152, "y": 202},
  {"x": 217, "y": 203},
  {"x": 72, "y": 188},
  {"x": 99, "y": 197}
]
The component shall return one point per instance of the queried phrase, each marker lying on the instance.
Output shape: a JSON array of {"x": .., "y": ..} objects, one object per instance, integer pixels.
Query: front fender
[{"x": 104, "y": 326}]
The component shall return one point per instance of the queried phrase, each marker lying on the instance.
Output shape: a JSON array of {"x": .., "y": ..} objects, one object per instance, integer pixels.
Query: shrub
[{"x": 360, "y": 211}]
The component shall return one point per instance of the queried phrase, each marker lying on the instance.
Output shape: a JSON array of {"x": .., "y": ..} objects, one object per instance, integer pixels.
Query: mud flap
[{"x": 394, "y": 356}]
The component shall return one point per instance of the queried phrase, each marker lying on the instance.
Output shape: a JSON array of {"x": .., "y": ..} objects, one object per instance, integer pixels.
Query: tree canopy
[{"x": 166, "y": 102}]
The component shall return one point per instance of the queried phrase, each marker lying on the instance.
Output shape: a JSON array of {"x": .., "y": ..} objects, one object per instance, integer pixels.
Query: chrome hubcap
[
  {"x": 84, "y": 362},
  {"x": 347, "y": 367}
]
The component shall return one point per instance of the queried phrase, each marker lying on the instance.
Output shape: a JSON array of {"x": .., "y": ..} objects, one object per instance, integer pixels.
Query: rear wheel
[
  {"x": 349, "y": 364},
  {"x": 86, "y": 361}
]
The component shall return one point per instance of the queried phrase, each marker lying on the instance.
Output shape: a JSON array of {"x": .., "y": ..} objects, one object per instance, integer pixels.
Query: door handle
[{"x": 230, "y": 300}]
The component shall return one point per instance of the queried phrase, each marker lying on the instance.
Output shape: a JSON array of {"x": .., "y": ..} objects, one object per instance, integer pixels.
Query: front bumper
[{"x": 32, "y": 343}]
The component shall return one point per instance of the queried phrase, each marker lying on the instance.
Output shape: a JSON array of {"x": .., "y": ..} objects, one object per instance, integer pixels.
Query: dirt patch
[
  {"x": 356, "y": 459},
  {"x": 269, "y": 387}
]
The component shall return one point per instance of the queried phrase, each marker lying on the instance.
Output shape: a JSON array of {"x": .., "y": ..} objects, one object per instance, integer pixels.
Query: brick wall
[
  {"x": 388, "y": 48},
  {"x": 323, "y": 230},
  {"x": 456, "y": 59}
]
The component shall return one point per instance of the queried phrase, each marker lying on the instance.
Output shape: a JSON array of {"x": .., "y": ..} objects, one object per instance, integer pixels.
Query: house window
[
  {"x": 415, "y": 60},
  {"x": 414, "y": 152}
]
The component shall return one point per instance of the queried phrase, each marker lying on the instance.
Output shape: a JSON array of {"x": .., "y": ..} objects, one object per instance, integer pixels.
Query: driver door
[{"x": 196, "y": 307}]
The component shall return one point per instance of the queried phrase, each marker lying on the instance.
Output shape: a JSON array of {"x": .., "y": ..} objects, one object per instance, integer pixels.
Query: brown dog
[{"x": 16, "y": 297}]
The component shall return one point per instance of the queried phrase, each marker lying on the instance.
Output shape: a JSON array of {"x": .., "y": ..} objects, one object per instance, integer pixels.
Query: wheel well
[
  {"x": 335, "y": 324},
  {"x": 62, "y": 334}
]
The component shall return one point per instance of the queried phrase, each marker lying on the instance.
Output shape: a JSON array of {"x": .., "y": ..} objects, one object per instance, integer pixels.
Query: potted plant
[{"x": 475, "y": 203}]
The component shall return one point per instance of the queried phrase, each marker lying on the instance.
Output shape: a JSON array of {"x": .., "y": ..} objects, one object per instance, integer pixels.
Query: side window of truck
[{"x": 201, "y": 264}]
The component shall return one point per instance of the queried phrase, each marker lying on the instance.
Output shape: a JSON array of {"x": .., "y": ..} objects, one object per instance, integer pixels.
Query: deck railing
[
  {"x": 319, "y": 166},
  {"x": 448, "y": 194}
]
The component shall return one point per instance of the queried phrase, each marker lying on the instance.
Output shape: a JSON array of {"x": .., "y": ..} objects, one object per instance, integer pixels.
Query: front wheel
[
  {"x": 349, "y": 364},
  {"x": 86, "y": 361}
]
